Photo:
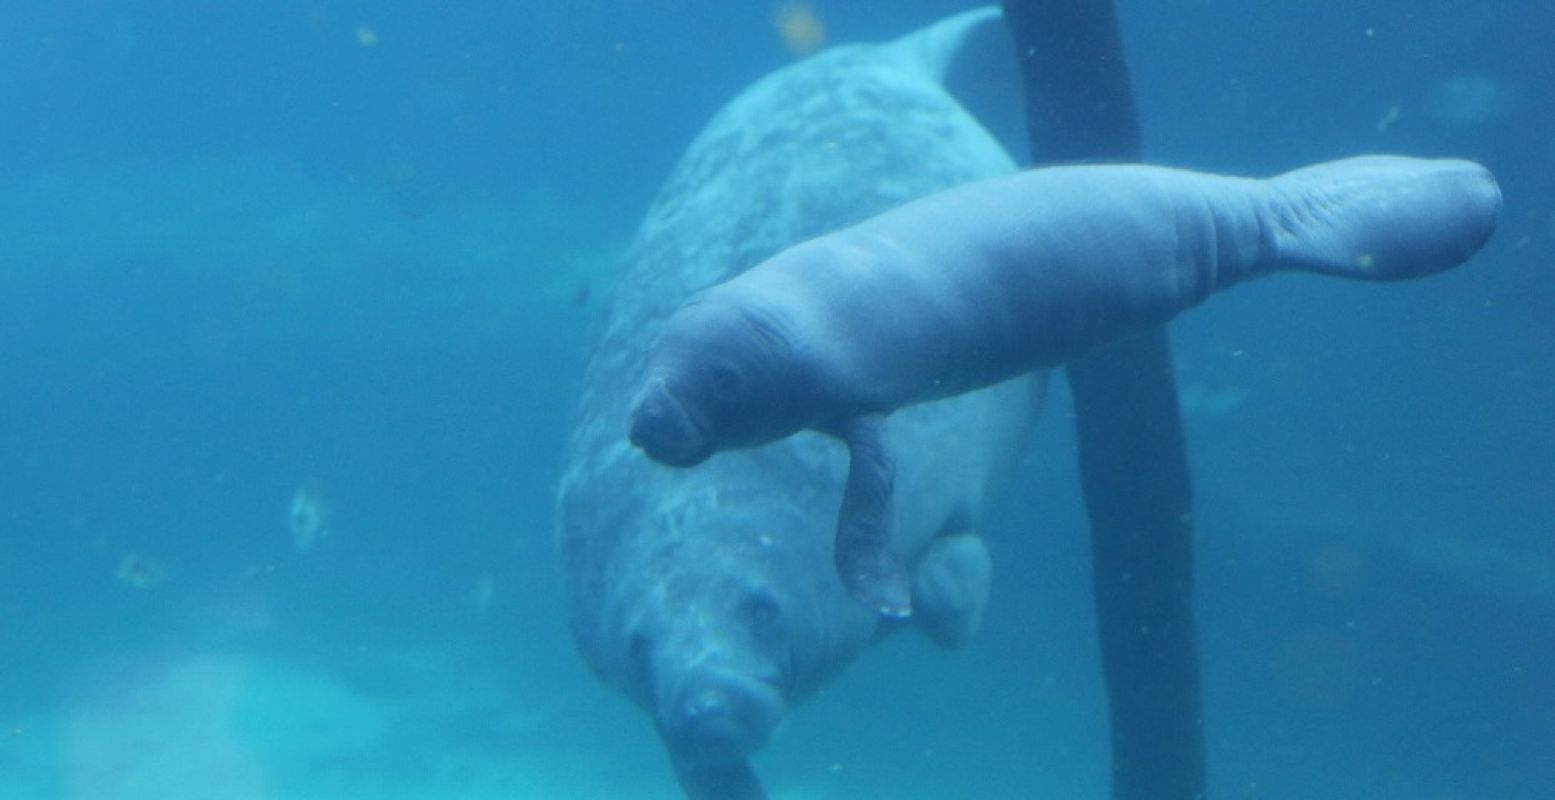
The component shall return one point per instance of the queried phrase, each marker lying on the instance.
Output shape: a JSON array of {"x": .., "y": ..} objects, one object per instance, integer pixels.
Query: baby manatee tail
[{"x": 1379, "y": 218}]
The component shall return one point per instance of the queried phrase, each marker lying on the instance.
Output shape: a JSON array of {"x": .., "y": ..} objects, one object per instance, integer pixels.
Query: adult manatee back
[{"x": 708, "y": 596}]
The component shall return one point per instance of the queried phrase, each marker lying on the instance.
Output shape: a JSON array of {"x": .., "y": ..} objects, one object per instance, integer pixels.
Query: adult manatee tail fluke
[{"x": 978, "y": 284}]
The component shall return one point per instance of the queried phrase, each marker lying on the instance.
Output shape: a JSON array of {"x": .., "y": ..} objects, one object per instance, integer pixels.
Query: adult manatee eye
[{"x": 761, "y": 610}]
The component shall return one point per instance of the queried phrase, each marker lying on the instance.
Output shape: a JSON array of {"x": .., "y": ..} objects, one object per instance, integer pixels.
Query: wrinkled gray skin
[
  {"x": 708, "y": 596},
  {"x": 989, "y": 280}
]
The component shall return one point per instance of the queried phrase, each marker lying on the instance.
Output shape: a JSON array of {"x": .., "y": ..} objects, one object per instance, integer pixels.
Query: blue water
[{"x": 353, "y": 250}]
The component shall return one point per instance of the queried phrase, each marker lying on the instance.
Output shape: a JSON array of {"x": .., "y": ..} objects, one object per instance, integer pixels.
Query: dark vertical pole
[
  {"x": 1133, "y": 460},
  {"x": 1134, "y": 472},
  {"x": 1079, "y": 102}
]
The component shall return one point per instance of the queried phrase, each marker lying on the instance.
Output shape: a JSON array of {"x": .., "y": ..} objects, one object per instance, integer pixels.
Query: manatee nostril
[
  {"x": 706, "y": 706},
  {"x": 707, "y": 725}
]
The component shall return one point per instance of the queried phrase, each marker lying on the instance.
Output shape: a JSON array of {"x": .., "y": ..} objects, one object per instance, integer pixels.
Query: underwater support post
[{"x": 1132, "y": 452}]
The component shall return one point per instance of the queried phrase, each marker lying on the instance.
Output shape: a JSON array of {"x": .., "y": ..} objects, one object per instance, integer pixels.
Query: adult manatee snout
[
  {"x": 976, "y": 284},
  {"x": 720, "y": 716},
  {"x": 717, "y": 671}
]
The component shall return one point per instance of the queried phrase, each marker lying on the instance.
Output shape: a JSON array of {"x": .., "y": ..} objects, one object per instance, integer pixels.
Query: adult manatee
[
  {"x": 708, "y": 596},
  {"x": 982, "y": 282}
]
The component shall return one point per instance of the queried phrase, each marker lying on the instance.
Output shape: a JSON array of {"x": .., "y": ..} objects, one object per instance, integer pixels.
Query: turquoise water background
[{"x": 350, "y": 252}]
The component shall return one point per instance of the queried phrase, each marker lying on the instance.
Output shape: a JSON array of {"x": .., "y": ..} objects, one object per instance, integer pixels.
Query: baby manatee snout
[{"x": 664, "y": 430}]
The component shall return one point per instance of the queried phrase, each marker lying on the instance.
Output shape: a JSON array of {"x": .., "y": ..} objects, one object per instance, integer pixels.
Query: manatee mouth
[
  {"x": 664, "y": 430},
  {"x": 720, "y": 717}
]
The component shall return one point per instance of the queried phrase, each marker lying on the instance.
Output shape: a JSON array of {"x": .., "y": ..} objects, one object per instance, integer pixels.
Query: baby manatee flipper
[
  {"x": 950, "y": 588},
  {"x": 866, "y": 525},
  {"x": 733, "y": 780}
]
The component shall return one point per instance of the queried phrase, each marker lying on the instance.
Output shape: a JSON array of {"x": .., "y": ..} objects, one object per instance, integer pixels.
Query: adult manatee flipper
[
  {"x": 1133, "y": 458},
  {"x": 950, "y": 584},
  {"x": 951, "y": 579}
]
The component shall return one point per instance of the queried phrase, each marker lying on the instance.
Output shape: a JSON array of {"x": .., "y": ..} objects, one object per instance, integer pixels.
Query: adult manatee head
[{"x": 717, "y": 642}]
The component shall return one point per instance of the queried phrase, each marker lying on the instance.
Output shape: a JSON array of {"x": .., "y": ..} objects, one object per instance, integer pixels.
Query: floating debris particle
[
  {"x": 1470, "y": 99},
  {"x": 1316, "y": 669},
  {"x": 139, "y": 571},
  {"x": 485, "y": 591},
  {"x": 800, "y": 28},
  {"x": 365, "y": 36},
  {"x": 307, "y": 520},
  {"x": 1389, "y": 117},
  {"x": 1336, "y": 570}
]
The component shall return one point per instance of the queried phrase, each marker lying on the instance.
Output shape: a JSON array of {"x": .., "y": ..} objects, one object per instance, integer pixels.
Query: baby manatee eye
[{"x": 726, "y": 382}]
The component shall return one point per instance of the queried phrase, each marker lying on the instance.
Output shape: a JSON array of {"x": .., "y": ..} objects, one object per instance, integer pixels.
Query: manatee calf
[
  {"x": 708, "y": 596},
  {"x": 979, "y": 283}
]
